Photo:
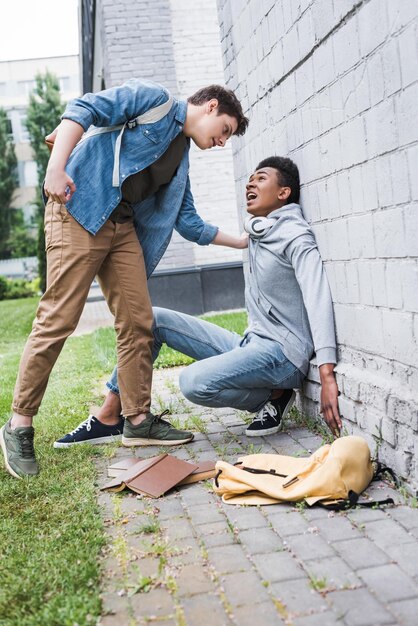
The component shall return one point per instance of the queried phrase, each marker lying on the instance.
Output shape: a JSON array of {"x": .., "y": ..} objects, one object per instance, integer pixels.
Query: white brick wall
[
  {"x": 334, "y": 85},
  {"x": 177, "y": 43}
]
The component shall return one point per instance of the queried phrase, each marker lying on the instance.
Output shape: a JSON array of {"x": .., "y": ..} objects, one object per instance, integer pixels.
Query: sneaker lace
[
  {"x": 267, "y": 411},
  {"x": 86, "y": 424},
  {"x": 157, "y": 419},
  {"x": 27, "y": 450}
]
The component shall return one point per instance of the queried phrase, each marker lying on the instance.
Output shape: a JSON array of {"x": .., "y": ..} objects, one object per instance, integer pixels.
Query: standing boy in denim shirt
[
  {"x": 114, "y": 199},
  {"x": 290, "y": 316}
]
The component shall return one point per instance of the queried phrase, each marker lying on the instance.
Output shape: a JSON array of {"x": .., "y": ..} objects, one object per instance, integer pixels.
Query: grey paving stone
[
  {"x": 307, "y": 547},
  {"x": 288, "y": 523},
  {"x": 389, "y": 582},
  {"x": 194, "y": 579},
  {"x": 406, "y": 556},
  {"x": 169, "y": 508},
  {"x": 358, "y": 607},
  {"x": 264, "y": 613},
  {"x": 214, "y": 427},
  {"x": 316, "y": 512},
  {"x": 298, "y": 433},
  {"x": 185, "y": 551},
  {"x": 205, "y": 609},
  {"x": 324, "y": 618},
  {"x": 197, "y": 494},
  {"x": 278, "y": 566},
  {"x": 337, "y": 528},
  {"x": 213, "y": 528},
  {"x": 177, "y": 528},
  {"x": 363, "y": 516},
  {"x": 334, "y": 570},
  {"x": 230, "y": 559},
  {"x": 298, "y": 597},
  {"x": 259, "y": 540},
  {"x": 406, "y": 611},
  {"x": 247, "y": 517},
  {"x": 222, "y": 538},
  {"x": 387, "y": 532},
  {"x": 405, "y": 515},
  {"x": 238, "y": 586},
  {"x": 361, "y": 553},
  {"x": 311, "y": 443},
  {"x": 204, "y": 514},
  {"x": 157, "y": 602}
]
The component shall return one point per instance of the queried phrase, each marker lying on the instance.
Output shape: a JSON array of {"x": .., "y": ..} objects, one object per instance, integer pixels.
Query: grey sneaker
[
  {"x": 154, "y": 431},
  {"x": 19, "y": 454}
]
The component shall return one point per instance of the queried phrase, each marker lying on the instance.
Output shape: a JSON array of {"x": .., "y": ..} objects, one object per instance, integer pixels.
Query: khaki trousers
[{"x": 74, "y": 258}]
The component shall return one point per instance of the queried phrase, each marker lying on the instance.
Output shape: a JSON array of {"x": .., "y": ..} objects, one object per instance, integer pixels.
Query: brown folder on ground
[
  {"x": 205, "y": 470},
  {"x": 152, "y": 477},
  {"x": 116, "y": 469}
]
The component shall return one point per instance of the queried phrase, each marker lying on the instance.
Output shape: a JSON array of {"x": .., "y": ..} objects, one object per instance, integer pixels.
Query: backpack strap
[
  {"x": 254, "y": 470},
  {"x": 353, "y": 501},
  {"x": 149, "y": 117},
  {"x": 383, "y": 469}
]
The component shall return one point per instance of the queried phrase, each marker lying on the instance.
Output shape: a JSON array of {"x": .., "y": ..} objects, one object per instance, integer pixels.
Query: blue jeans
[{"x": 230, "y": 371}]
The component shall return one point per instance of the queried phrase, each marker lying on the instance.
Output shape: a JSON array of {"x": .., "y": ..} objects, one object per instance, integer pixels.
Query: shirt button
[
  {"x": 155, "y": 156},
  {"x": 103, "y": 217},
  {"x": 180, "y": 127},
  {"x": 146, "y": 132},
  {"x": 123, "y": 175}
]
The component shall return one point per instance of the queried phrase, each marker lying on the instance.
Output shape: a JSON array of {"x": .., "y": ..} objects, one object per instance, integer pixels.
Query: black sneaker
[
  {"x": 269, "y": 419},
  {"x": 92, "y": 431}
]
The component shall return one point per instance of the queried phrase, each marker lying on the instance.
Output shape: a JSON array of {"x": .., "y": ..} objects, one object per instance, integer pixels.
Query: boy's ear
[
  {"x": 284, "y": 193},
  {"x": 211, "y": 105}
]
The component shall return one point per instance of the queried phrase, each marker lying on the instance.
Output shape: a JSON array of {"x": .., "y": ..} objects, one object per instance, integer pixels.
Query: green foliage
[
  {"x": 8, "y": 180},
  {"x": 20, "y": 242},
  {"x": 235, "y": 322},
  {"x": 17, "y": 288},
  {"x": 43, "y": 115}
]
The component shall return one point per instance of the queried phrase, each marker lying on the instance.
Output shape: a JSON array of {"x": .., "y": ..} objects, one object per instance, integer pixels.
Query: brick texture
[{"x": 334, "y": 86}]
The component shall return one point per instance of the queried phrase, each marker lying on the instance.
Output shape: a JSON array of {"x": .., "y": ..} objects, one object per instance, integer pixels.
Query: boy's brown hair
[{"x": 228, "y": 103}]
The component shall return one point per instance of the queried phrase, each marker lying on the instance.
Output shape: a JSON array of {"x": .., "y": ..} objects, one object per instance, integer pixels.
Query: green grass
[{"x": 51, "y": 531}]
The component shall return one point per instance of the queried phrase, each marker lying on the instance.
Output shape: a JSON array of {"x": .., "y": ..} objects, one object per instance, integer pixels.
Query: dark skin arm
[{"x": 329, "y": 398}]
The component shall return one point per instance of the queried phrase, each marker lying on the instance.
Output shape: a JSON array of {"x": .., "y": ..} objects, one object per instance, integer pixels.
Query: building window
[
  {"x": 31, "y": 174},
  {"x": 27, "y": 173},
  {"x": 25, "y": 87},
  {"x": 64, "y": 83},
  {"x": 23, "y": 131},
  {"x": 2, "y": 89}
]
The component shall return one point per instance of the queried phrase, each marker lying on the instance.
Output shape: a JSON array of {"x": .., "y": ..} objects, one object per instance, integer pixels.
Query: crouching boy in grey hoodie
[{"x": 290, "y": 317}]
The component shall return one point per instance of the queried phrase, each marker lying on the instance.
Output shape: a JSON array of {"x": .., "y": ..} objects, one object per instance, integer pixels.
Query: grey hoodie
[{"x": 287, "y": 292}]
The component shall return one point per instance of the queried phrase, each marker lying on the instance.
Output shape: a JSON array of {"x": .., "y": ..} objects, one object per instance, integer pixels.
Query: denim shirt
[{"x": 90, "y": 165}]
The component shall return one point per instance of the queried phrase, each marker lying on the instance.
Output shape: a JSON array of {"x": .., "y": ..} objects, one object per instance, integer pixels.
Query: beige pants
[{"x": 74, "y": 258}]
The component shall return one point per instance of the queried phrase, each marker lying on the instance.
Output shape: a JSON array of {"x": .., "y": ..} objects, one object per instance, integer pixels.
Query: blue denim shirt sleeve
[
  {"x": 190, "y": 225},
  {"x": 115, "y": 105}
]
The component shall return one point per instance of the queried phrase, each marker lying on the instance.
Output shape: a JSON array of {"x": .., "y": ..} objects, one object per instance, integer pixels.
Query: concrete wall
[
  {"x": 176, "y": 43},
  {"x": 334, "y": 85}
]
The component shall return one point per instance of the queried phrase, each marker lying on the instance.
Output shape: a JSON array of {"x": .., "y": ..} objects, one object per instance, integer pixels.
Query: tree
[
  {"x": 43, "y": 115},
  {"x": 8, "y": 181}
]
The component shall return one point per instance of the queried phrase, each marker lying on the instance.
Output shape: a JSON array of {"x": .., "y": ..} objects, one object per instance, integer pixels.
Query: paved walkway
[{"x": 188, "y": 559}]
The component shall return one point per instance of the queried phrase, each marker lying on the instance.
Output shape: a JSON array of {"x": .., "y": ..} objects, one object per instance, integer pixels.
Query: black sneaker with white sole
[
  {"x": 269, "y": 420},
  {"x": 92, "y": 431}
]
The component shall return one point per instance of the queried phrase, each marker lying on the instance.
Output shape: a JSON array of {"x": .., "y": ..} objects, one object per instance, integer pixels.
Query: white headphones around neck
[{"x": 258, "y": 226}]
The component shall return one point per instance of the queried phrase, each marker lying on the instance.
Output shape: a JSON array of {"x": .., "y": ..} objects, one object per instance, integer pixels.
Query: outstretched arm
[{"x": 223, "y": 239}]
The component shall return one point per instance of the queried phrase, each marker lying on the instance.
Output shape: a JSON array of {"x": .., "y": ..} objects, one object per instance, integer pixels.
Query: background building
[
  {"x": 17, "y": 81},
  {"x": 334, "y": 85},
  {"x": 176, "y": 43}
]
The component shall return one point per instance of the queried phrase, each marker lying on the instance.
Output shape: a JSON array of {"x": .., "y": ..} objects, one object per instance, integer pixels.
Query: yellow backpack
[{"x": 334, "y": 476}]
